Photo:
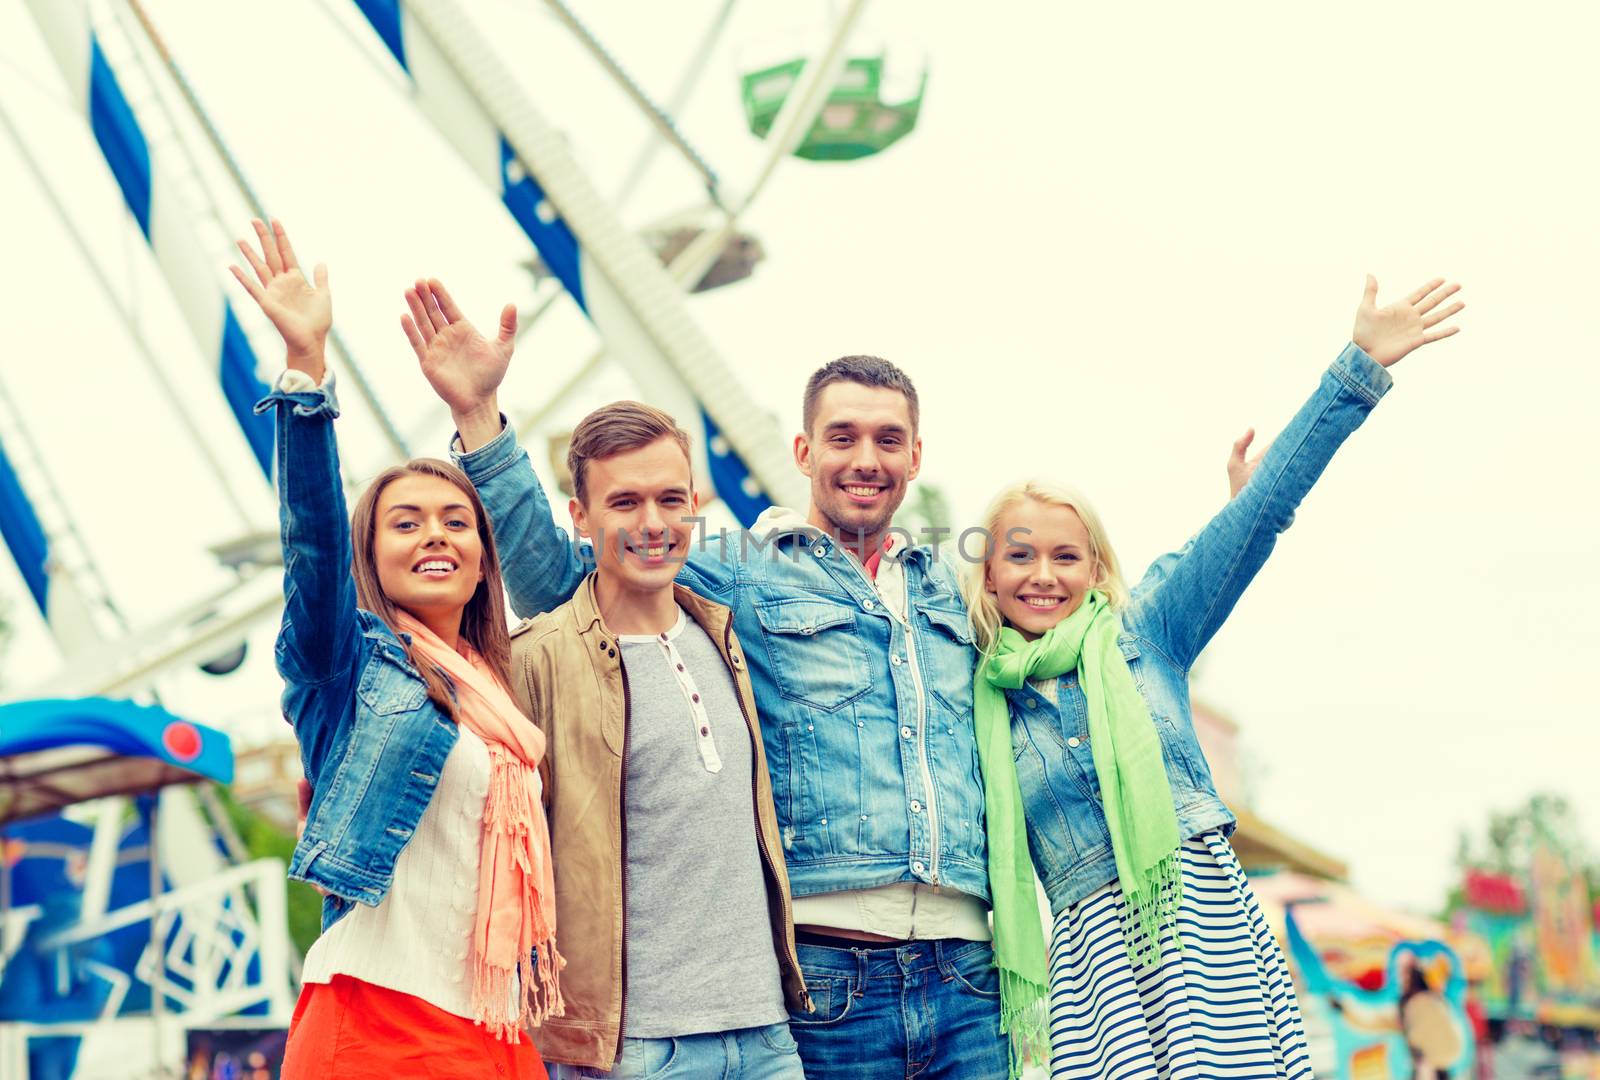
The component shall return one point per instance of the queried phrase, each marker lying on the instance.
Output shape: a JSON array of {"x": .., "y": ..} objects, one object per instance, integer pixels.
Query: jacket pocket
[
  {"x": 817, "y": 655},
  {"x": 390, "y": 685},
  {"x": 948, "y": 656}
]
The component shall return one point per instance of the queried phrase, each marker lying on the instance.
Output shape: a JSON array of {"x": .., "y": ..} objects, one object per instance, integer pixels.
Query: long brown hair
[{"x": 483, "y": 621}]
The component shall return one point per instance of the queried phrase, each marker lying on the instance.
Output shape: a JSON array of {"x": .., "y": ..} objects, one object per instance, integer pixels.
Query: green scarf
[{"x": 1133, "y": 791}]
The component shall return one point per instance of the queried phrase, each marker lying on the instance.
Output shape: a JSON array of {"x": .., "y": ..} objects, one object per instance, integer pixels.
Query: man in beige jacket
[{"x": 672, "y": 901}]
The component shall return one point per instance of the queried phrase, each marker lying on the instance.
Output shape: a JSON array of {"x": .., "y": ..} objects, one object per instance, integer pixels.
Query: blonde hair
[{"x": 982, "y": 609}]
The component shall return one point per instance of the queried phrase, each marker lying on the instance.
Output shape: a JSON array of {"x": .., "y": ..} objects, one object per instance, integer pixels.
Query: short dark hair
[
  {"x": 866, "y": 370},
  {"x": 615, "y": 429}
]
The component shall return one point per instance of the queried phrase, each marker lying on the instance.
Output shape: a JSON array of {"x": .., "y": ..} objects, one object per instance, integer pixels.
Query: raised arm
[
  {"x": 317, "y": 642},
  {"x": 1182, "y": 603},
  {"x": 540, "y": 562}
]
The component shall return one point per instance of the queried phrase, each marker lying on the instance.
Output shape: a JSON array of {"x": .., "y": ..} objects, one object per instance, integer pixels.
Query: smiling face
[
  {"x": 1042, "y": 566},
  {"x": 638, "y": 508},
  {"x": 427, "y": 549},
  {"x": 860, "y": 454}
]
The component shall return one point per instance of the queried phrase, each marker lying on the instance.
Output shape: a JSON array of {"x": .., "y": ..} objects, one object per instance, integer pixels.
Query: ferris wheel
[{"x": 184, "y": 188}]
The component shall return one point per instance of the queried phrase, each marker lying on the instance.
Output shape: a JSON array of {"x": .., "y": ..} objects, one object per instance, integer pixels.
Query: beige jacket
[{"x": 566, "y": 672}]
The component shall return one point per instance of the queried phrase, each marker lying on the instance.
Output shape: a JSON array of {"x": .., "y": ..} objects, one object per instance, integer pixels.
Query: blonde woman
[{"x": 1160, "y": 962}]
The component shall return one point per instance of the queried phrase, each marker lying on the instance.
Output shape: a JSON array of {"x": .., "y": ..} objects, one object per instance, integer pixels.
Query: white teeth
[
  {"x": 1042, "y": 601},
  {"x": 864, "y": 492},
  {"x": 433, "y": 565}
]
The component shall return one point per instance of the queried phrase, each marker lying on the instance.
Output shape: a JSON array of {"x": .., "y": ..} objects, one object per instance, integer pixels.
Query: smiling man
[{"x": 671, "y": 896}]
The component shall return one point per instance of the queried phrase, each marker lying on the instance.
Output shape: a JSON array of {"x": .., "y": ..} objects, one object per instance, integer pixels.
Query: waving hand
[
  {"x": 1389, "y": 333},
  {"x": 463, "y": 367},
  {"x": 301, "y": 310}
]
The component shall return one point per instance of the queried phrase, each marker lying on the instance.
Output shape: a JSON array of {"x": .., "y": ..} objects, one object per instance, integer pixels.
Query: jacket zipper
[
  {"x": 755, "y": 802},
  {"x": 622, "y": 945},
  {"x": 922, "y": 713}
]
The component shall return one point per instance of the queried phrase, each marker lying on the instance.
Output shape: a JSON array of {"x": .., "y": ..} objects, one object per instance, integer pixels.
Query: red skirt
[{"x": 351, "y": 1030}]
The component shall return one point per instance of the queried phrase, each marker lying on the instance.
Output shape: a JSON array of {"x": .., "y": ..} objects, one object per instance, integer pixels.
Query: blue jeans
[
  {"x": 758, "y": 1053},
  {"x": 929, "y": 1010}
]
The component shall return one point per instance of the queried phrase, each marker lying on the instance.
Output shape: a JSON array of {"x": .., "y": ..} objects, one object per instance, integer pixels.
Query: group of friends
[{"x": 775, "y": 804}]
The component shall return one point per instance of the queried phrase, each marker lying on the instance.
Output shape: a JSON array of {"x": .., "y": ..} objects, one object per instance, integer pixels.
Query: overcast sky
[{"x": 1121, "y": 235}]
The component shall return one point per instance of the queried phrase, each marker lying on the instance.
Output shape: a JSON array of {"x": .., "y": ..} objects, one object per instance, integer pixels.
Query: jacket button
[
  {"x": 1074, "y": 742},
  {"x": 611, "y": 653},
  {"x": 602, "y": 645}
]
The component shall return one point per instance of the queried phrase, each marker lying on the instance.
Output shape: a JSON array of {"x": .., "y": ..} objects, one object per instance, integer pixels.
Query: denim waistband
[{"x": 890, "y": 961}]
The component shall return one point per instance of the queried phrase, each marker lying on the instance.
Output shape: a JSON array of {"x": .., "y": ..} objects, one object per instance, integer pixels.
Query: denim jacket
[
  {"x": 1173, "y": 612},
  {"x": 372, "y": 743},
  {"x": 866, "y": 717}
]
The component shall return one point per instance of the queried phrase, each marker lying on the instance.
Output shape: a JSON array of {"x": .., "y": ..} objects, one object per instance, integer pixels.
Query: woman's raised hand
[
  {"x": 1389, "y": 333},
  {"x": 463, "y": 367},
  {"x": 301, "y": 310}
]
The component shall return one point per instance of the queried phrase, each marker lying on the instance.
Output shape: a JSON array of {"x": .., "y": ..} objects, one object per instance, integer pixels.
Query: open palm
[
  {"x": 1389, "y": 333},
  {"x": 464, "y": 368},
  {"x": 301, "y": 310}
]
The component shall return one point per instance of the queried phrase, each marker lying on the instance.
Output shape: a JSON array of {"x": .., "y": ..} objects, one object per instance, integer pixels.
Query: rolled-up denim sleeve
[
  {"x": 540, "y": 562},
  {"x": 1184, "y": 605},
  {"x": 317, "y": 641}
]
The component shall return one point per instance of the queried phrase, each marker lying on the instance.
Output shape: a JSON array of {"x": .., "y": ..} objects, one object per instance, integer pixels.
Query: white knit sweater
[{"x": 418, "y": 940}]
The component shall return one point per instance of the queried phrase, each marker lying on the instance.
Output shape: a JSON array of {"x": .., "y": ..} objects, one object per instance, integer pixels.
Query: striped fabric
[{"x": 1220, "y": 1007}]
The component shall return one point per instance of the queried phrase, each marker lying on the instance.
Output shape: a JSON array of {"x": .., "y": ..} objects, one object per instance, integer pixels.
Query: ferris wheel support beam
[
  {"x": 680, "y": 98},
  {"x": 659, "y": 118},
  {"x": 469, "y": 93},
  {"x": 800, "y": 110},
  {"x": 151, "y": 182},
  {"x": 342, "y": 351},
  {"x": 135, "y": 333},
  {"x": 689, "y": 266}
]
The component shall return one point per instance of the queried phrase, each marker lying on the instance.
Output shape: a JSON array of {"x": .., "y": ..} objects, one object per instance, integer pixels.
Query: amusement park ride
[{"x": 122, "y": 928}]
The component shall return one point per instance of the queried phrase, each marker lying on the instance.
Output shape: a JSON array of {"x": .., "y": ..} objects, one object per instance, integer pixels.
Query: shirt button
[
  {"x": 895, "y": 660},
  {"x": 916, "y": 807},
  {"x": 680, "y": 667},
  {"x": 1030, "y": 703},
  {"x": 824, "y": 821},
  {"x": 1074, "y": 741},
  {"x": 705, "y": 731},
  {"x": 869, "y": 605},
  {"x": 663, "y": 635},
  {"x": 905, "y": 733},
  {"x": 695, "y": 698},
  {"x": 919, "y": 868},
  {"x": 819, "y": 551}
]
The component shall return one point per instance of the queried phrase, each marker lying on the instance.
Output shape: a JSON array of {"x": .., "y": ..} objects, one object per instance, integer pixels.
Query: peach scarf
[{"x": 516, "y": 886}]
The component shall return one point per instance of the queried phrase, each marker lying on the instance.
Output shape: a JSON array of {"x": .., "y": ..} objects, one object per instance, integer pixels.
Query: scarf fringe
[
  {"x": 506, "y": 1001},
  {"x": 1152, "y": 909},
  {"x": 1023, "y": 1019}
]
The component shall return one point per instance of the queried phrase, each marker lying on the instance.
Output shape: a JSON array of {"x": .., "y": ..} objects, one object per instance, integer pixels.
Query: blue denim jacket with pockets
[
  {"x": 1173, "y": 613},
  {"x": 866, "y": 717},
  {"x": 372, "y": 743}
]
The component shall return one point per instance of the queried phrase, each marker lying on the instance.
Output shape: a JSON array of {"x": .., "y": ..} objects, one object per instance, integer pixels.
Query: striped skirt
[{"x": 1222, "y": 1006}]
